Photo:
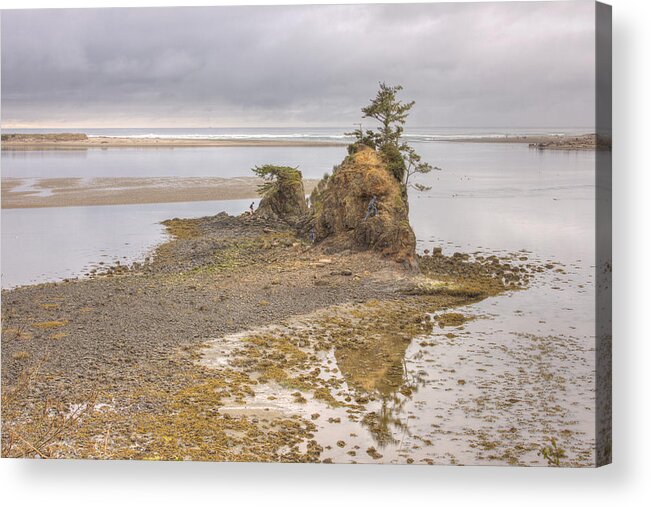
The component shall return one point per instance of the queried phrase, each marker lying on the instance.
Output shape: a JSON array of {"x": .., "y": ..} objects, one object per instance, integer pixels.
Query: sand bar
[{"x": 59, "y": 192}]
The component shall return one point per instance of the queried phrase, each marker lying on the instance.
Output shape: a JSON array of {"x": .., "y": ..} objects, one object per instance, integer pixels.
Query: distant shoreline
[
  {"x": 67, "y": 192},
  {"x": 545, "y": 142},
  {"x": 77, "y": 141}
]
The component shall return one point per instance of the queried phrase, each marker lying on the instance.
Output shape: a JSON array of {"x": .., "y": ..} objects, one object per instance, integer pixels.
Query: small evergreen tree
[
  {"x": 390, "y": 112},
  {"x": 276, "y": 177},
  {"x": 402, "y": 159}
]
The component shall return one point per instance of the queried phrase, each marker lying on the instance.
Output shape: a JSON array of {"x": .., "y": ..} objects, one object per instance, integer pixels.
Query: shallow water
[
  {"x": 535, "y": 347},
  {"x": 221, "y": 162},
  {"x": 49, "y": 244}
]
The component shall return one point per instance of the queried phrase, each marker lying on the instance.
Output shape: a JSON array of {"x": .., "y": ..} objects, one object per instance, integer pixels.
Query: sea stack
[{"x": 363, "y": 207}]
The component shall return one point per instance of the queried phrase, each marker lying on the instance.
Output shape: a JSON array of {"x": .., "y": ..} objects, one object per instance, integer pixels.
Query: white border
[{"x": 626, "y": 482}]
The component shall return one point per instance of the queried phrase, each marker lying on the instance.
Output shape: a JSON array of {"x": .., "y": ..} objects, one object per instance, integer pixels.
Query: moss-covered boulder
[
  {"x": 346, "y": 217},
  {"x": 283, "y": 194}
]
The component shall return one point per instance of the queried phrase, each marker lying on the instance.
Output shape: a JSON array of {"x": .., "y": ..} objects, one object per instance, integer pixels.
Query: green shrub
[
  {"x": 393, "y": 159},
  {"x": 276, "y": 177}
]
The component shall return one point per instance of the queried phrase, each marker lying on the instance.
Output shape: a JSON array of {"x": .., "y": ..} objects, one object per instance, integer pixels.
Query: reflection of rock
[
  {"x": 377, "y": 366},
  {"x": 370, "y": 344},
  {"x": 385, "y": 421},
  {"x": 347, "y": 217}
]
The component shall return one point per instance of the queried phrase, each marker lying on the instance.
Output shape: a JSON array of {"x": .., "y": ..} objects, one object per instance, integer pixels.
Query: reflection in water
[{"x": 378, "y": 367}]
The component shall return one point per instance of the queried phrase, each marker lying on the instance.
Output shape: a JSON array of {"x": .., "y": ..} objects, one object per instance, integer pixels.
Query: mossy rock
[
  {"x": 341, "y": 221},
  {"x": 283, "y": 194}
]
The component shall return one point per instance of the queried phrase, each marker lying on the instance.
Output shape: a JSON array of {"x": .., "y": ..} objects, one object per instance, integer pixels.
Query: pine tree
[{"x": 402, "y": 159}]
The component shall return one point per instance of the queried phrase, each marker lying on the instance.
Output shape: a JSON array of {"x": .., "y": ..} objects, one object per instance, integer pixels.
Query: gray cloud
[{"x": 495, "y": 64}]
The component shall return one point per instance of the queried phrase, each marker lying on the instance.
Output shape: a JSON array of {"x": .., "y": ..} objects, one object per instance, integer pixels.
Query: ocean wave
[{"x": 226, "y": 137}]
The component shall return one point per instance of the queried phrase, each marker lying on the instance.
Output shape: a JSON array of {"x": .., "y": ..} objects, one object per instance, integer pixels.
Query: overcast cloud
[{"x": 498, "y": 64}]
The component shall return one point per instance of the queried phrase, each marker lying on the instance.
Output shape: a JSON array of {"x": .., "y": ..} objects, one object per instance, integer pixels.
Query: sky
[{"x": 509, "y": 64}]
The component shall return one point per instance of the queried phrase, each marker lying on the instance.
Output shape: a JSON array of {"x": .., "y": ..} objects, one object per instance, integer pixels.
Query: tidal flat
[{"x": 240, "y": 341}]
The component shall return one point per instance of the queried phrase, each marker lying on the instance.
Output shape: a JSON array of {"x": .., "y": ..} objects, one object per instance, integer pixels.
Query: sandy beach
[{"x": 59, "y": 192}]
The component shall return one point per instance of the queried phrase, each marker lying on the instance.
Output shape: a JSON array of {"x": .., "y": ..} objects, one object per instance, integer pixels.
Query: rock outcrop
[
  {"x": 341, "y": 215},
  {"x": 283, "y": 196}
]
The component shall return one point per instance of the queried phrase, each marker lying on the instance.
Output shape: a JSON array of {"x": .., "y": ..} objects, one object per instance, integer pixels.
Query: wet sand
[{"x": 61, "y": 192}]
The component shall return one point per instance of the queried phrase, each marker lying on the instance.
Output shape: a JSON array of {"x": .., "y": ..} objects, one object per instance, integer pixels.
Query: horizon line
[{"x": 15, "y": 127}]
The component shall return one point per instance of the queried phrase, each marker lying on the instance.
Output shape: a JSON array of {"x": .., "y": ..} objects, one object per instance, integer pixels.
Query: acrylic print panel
[{"x": 329, "y": 234}]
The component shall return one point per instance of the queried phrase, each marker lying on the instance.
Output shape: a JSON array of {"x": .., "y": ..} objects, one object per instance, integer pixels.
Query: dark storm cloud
[{"x": 507, "y": 64}]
